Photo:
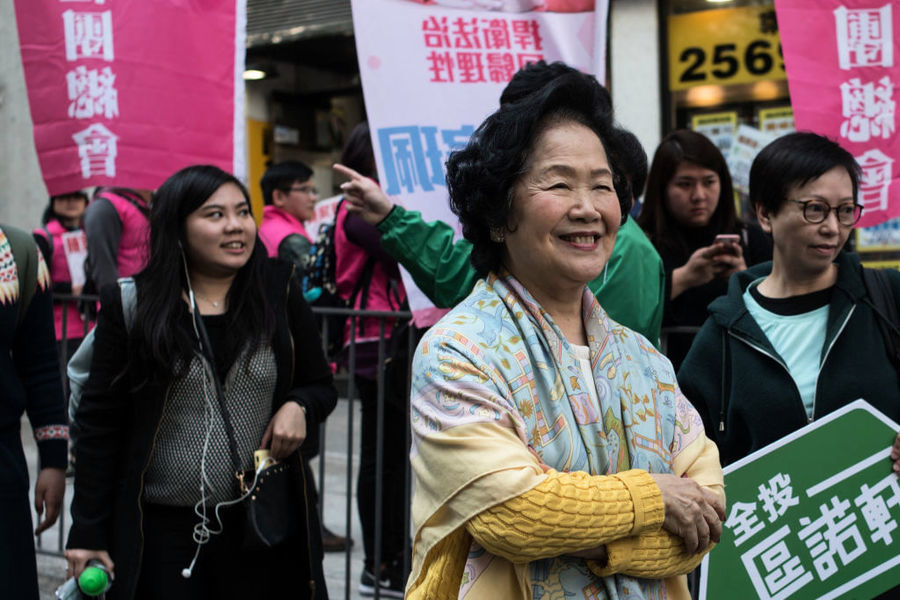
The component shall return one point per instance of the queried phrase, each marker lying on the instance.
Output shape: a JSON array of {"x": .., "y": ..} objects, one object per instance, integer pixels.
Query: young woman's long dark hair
[
  {"x": 655, "y": 219},
  {"x": 156, "y": 340}
]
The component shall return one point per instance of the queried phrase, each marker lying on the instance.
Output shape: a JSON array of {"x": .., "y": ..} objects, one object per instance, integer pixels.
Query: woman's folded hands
[{"x": 693, "y": 513}]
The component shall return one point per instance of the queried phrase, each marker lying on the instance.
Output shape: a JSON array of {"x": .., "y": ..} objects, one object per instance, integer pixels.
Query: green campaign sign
[{"x": 812, "y": 516}]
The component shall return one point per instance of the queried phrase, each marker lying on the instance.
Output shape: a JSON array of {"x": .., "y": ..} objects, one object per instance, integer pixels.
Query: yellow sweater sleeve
[
  {"x": 569, "y": 512},
  {"x": 652, "y": 555},
  {"x": 657, "y": 554},
  {"x": 446, "y": 563}
]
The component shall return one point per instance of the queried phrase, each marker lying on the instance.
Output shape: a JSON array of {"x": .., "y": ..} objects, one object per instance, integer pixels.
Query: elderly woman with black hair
[
  {"x": 630, "y": 290},
  {"x": 553, "y": 452},
  {"x": 791, "y": 340}
]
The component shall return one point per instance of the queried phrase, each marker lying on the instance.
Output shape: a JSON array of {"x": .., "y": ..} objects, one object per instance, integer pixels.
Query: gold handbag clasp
[{"x": 239, "y": 475}]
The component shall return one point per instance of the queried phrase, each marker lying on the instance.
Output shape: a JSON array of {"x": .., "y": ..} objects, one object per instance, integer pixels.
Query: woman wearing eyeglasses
[{"x": 797, "y": 338}]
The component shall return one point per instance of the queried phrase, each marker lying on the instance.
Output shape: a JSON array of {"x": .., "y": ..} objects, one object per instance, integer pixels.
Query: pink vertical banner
[
  {"x": 126, "y": 92},
  {"x": 841, "y": 59}
]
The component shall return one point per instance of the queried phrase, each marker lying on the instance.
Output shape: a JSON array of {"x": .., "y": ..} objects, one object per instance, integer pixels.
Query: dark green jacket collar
[{"x": 730, "y": 312}]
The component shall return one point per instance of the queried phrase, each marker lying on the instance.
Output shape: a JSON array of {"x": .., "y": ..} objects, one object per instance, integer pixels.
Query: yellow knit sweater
[{"x": 566, "y": 513}]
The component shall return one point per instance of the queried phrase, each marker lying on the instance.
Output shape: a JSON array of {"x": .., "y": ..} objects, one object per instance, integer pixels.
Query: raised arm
[{"x": 437, "y": 262}]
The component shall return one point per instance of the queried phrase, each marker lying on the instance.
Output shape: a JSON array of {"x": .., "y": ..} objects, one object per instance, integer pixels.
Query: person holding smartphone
[{"x": 689, "y": 215}]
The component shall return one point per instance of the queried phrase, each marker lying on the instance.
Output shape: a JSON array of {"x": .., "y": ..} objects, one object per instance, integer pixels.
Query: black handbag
[
  {"x": 272, "y": 495},
  {"x": 273, "y": 505}
]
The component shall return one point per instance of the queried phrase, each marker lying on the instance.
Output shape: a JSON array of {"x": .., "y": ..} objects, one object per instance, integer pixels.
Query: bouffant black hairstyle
[
  {"x": 634, "y": 161},
  {"x": 481, "y": 176},
  {"x": 792, "y": 161},
  {"x": 534, "y": 76}
]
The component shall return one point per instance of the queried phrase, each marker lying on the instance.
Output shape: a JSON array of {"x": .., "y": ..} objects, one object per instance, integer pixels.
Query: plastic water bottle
[{"x": 93, "y": 582}]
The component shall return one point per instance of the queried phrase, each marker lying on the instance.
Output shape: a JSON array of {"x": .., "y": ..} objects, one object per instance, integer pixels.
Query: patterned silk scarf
[{"x": 631, "y": 428}]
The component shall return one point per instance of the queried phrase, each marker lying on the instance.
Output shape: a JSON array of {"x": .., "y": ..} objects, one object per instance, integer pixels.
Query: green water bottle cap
[{"x": 93, "y": 581}]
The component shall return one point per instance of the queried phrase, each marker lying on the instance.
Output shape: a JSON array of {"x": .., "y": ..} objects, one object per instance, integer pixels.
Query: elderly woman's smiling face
[{"x": 565, "y": 212}]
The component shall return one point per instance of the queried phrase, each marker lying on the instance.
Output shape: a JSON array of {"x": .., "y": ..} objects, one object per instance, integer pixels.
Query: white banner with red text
[{"x": 433, "y": 70}]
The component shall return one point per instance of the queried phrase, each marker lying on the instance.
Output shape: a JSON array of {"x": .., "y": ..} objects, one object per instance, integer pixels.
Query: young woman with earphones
[{"x": 222, "y": 359}]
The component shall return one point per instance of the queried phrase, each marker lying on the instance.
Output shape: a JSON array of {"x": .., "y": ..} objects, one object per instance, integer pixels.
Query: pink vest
[
  {"x": 350, "y": 262},
  {"x": 59, "y": 273},
  {"x": 277, "y": 225},
  {"x": 134, "y": 245}
]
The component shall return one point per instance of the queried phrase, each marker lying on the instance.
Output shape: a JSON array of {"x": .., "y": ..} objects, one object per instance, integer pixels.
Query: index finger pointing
[{"x": 346, "y": 172}]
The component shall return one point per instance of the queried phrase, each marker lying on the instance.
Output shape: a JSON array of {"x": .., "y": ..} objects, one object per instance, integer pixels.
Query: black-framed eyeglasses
[
  {"x": 816, "y": 211},
  {"x": 305, "y": 189}
]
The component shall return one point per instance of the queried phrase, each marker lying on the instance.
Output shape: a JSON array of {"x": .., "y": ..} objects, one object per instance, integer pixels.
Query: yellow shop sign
[{"x": 724, "y": 46}]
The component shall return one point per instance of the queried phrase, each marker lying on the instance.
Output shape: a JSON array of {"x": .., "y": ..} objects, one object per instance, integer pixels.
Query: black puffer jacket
[{"x": 689, "y": 309}]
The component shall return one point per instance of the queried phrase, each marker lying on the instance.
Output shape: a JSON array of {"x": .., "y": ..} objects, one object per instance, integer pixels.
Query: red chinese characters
[{"x": 479, "y": 50}]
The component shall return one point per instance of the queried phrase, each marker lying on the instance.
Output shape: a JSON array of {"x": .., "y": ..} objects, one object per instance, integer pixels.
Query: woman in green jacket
[{"x": 794, "y": 339}]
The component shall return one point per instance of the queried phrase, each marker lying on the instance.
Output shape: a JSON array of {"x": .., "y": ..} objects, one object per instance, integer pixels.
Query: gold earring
[{"x": 497, "y": 235}]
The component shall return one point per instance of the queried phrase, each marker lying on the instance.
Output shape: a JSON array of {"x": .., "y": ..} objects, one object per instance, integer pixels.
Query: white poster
[
  {"x": 324, "y": 213},
  {"x": 747, "y": 144},
  {"x": 75, "y": 246},
  {"x": 433, "y": 70}
]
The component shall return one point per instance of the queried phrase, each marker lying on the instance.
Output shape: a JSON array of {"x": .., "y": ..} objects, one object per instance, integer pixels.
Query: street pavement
[{"x": 52, "y": 567}]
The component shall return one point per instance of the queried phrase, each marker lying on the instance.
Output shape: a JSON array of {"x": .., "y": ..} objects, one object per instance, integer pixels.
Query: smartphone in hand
[{"x": 730, "y": 240}]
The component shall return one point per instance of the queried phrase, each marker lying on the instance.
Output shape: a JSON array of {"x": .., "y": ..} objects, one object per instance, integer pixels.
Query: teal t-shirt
[{"x": 798, "y": 337}]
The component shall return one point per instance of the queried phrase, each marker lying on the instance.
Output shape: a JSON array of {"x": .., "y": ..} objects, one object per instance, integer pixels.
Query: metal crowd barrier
[
  {"x": 383, "y": 317},
  {"x": 667, "y": 331}
]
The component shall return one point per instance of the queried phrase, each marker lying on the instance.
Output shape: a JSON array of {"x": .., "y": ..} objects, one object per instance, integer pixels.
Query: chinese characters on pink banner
[
  {"x": 839, "y": 57},
  {"x": 126, "y": 92},
  {"x": 90, "y": 82},
  {"x": 479, "y": 50},
  {"x": 865, "y": 39}
]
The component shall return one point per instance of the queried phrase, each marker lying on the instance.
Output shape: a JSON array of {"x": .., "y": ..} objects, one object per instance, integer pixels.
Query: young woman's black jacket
[
  {"x": 119, "y": 427},
  {"x": 689, "y": 308}
]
